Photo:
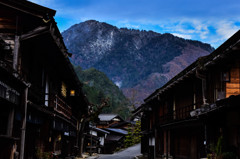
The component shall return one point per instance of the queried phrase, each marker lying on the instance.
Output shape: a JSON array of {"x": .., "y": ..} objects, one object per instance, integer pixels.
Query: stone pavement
[{"x": 129, "y": 153}]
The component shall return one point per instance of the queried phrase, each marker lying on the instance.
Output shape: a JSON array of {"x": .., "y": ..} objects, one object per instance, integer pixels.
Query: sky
[{"x": 209, "y": 21}]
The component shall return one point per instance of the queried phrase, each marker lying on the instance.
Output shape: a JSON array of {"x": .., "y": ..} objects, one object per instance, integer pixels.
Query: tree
[
  {"x": 133, "y": 137},
  {"x": 133, "y": 99},
  {"x": 129, "y": 137},
  {"x": 93, "y": 112},
  {"x": 136, "y": 132}
]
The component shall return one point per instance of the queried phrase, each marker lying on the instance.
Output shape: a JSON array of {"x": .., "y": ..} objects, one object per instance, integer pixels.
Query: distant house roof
[
  {"x": 113, "y": 138},
  {"x": 121, "y": 124},
  {"x": 100, "y": 130},
  {"x": 119, "y": 131},
  {"x": 109, "y": 117}
]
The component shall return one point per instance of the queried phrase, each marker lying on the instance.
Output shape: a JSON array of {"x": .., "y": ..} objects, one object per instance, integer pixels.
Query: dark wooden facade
[
  {"x": 189, "y": 114},
  {"x": 41, "y": 97}
]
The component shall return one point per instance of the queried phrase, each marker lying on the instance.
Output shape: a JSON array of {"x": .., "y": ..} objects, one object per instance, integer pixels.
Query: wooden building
[
  {"x": 197, "y": 109},
  {"x": 114, "y": 140},
  {"x": 116, "y": 126},
  {"x": 106, "y": 120},
  {"x": 95, "y": 140},
  {"x": 40, "y": 95}
]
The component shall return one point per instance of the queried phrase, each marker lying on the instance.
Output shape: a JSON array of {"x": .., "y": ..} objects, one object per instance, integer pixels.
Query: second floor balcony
[
  {"x": 60, "y": 105},
  {"x": 177, "y": 115}
]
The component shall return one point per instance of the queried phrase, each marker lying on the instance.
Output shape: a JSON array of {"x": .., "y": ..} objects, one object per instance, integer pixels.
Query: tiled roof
[
  {"x": 113, "y": 137},
  {"x": 120, "y": 131},
  {"x": 100, "y": 130},
  {"x": 108, "y": 117}
]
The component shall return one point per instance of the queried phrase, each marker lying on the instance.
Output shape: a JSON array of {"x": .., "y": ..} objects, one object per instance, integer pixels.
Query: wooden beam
[
  {"x": 57, "y": 40},
  {"x": 36, "y": 32}
]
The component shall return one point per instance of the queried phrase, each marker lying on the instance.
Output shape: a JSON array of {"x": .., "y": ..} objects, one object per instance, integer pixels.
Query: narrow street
[{"x": 128, "y": 153}]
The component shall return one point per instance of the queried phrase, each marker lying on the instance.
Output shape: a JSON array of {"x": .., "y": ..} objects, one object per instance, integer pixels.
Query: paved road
[{"x": 128, "y": 153}]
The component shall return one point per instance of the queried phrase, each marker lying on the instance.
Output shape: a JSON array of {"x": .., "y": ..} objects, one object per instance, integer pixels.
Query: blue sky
[{"x": 209, "y": 21}]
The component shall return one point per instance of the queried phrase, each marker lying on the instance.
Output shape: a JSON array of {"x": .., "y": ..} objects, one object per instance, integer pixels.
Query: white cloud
[
  {"x": 118, "y": 83},
  {"x": 204, "y": 26},
  {"x": 187, "y": 28},
  {"x": 132, "y": 26},
  {"x": 185, "y": 36},
  {"x": 201, "y": 28},
  {"x": 210, "y": 31},
  {"x": 226, "y": 29}
]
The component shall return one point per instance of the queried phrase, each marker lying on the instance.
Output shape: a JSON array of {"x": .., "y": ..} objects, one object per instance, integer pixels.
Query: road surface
[{"x": 128, "y": 153}]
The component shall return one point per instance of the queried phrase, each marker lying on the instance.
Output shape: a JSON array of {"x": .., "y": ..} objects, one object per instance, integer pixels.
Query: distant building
[
  {"x": 114, "y": 140},
  {"x": 95, "y": 140},
  {"x": 106, "y": 120},
  {"x": 116, "y": 128},
  {"x": 197, "y": 109},
  {"x": 40, "y": 95}
]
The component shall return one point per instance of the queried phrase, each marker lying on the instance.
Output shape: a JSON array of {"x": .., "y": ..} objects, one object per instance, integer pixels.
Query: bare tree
[
  {"x": 133, "y": 99},
  {"x": 93, "y": 112}
]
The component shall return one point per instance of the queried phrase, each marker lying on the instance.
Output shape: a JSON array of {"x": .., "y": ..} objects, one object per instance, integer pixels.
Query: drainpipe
[
  {"x": 204, "y": 85},
  {"x": 23, "y": 129},
  {"x": 16, "y": 52}
]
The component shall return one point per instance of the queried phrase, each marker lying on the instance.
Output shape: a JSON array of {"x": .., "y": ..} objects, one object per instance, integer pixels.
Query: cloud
[
  {"x": 226, "y": 29},
  {"x": 202, "y": 20},
  {"x": 132, "y": 26},
  {"x": 118, "y": 83},
  {"x": 185, "y": 36}
]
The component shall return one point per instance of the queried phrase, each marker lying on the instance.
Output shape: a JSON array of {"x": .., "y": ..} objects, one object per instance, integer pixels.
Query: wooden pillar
[
  {"x": 165, "y": 152},
  {"x": 167, "y": 145},
  {"x": 204, "y": 85},
  {"x": 174, "y": 108},
  {"x": 194, "y": 96},
  {"x": 47, "y": 92},
  {"x": 23, "y": 129},
  {"x": 205, "y": 139}
]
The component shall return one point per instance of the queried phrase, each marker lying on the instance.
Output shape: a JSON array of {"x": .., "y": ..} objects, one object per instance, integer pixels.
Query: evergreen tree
[{"x": 134, "y": 134}]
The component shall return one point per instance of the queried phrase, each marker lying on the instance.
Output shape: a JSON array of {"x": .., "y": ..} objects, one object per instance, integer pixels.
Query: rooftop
[
  {"x": 109, "y": 117},
  {"x": 119, "y": 131}
]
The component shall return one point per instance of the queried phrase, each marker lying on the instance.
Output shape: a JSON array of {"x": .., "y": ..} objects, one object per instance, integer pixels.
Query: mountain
[
  {"x": 96, "y": 86},
  {"x": 137, "y": 61}
]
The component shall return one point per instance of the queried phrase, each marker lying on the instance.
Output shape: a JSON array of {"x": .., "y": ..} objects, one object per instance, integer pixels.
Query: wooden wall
[{"x": 233, "y": 87}]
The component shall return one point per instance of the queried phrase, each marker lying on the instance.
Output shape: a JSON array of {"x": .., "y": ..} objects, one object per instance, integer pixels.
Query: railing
[
  {"x": 9, "y": 93},
  {"x": 183, "y": 113},
  {"x": 60, "y": 106},
  {"x": 178, "y": 114}
]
